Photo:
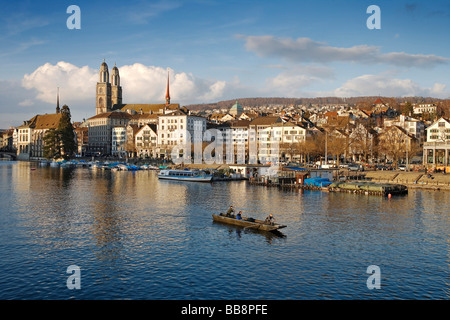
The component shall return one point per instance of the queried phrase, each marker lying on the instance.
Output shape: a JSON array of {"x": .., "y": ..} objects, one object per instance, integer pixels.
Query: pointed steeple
[
  {"x": 167, "y": 93},
  {"x": 57, "y": 102}
]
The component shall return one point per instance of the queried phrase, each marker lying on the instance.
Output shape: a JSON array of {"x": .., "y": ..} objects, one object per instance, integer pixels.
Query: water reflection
[
  {"x": 141, "y": 238},
  {"x": 242, "y": 231}
]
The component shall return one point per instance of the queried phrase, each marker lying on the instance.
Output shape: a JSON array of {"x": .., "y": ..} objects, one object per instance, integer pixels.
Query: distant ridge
[{"x": 256, "y": 102}]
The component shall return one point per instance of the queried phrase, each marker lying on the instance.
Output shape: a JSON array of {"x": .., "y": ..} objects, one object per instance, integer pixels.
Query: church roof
[
  {"x": 113, "y": 114},
  {"x": 46, "y": 121},
  {"x": 147, "y": 108},
  {"x": 104, "y": 66},
  {"x": 236, "y": 109}
]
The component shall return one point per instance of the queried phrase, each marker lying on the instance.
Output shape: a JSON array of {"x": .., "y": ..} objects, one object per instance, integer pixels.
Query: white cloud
[
  {"x": 77, "y": 84},
  {"x": 293, "y": 81},
  {"x": 140, "y": 83},
  {"x": 369, "y": 85},
  {"x": 216, "y": 90},
  {"x": 147, "y": 84},
  {"x": 290, "y": 84},
  {"x": 307, "y": 50}
]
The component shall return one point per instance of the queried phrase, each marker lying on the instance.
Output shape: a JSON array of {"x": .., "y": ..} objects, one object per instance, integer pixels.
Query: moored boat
[
  {"x": 248, "y": 223},
  {"x": 54, "y": 164},
  {"x": 185, "y": 175}
]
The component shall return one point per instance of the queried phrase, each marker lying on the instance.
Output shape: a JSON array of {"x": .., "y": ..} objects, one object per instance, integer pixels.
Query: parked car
[
  {"x": 402, "y": 167},
  {"x": 353, "y": 167}
]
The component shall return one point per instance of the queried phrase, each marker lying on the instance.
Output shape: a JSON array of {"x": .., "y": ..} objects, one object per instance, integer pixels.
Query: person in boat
[
  {"x": 239, "y": 215},
  {"x": 270, "y": 220},
  {"x": 230, "y": 211}
]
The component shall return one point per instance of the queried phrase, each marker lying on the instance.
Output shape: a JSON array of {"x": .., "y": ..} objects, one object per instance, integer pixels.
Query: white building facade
[
  {"x": 178, "y": 129},
  {"x": 436, "y": 150},
  {"x": 146, "y": 141},
  {"x": 119, "y": 142}
]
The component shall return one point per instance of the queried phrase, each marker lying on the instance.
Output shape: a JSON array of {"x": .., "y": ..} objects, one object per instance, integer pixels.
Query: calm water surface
[{"x": 135, "y": 237}]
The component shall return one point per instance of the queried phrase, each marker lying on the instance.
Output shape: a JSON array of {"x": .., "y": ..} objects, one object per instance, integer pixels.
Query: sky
[{"x": 219, "y": 50}]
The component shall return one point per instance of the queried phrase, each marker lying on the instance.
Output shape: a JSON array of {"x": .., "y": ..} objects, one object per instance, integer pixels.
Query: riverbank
[{"x": 413, "y": 180}]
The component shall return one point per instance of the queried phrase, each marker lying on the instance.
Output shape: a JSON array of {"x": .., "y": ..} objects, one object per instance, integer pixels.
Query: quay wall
[{"x": 414, "y": 180}]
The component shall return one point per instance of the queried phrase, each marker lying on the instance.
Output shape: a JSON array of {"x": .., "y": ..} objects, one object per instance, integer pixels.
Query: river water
[{"x": 135, "y": 237}]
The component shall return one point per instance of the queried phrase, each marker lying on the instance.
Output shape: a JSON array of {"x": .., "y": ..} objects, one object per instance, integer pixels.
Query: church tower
[
  {"x": 116, "y": 89},
  {"x": 167, "y": 92},
  {"x": 103, "y": 94},
  {"x": 58, "y": 110}
]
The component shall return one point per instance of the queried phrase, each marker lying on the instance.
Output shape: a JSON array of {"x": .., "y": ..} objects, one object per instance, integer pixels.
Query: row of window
[
  {"x": 172, "y": 120},
  {"x": 172, "y": 136},
  {"x": 437, "y": 137},
  {"x": 140, "y": 144},
  {"x": 146, "y": 138},
  {"x": 171, "y": 142},
  {"x": 437, "y": 130}
]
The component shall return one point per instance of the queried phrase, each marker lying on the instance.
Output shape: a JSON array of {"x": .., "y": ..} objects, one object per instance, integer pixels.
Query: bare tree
[
  {"x": 337, "y": 146},
  {"x": 395, "y": 143},
  {"x": 362, "y": 141}
]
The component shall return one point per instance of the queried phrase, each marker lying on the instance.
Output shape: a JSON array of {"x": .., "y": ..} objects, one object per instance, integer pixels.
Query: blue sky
[{"x": 216, "y": 50}]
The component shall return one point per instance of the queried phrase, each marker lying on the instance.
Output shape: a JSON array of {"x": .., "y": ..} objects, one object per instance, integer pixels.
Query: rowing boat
[{"x": 248, "y": 223}]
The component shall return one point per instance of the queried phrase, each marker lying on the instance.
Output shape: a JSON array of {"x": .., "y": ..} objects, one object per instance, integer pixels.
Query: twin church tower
[{"x": 109, "y": 91}]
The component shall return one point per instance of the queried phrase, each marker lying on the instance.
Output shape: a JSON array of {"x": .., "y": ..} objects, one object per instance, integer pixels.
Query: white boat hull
[
  {"x": 183, "y": 175},
  {"x": 193, "y": 179}
]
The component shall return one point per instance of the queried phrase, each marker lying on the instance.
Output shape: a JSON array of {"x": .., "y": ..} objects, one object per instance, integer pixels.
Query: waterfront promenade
[{"x": 413, "y": 180}]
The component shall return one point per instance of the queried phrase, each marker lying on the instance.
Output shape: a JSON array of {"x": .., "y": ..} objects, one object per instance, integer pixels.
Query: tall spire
[
  {"x": 57, "y": 102},
  {"x": 167, "y": 93}
]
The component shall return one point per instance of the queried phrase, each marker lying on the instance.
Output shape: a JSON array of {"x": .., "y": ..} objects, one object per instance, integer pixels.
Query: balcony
[{"x": 437, "y": 143}]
